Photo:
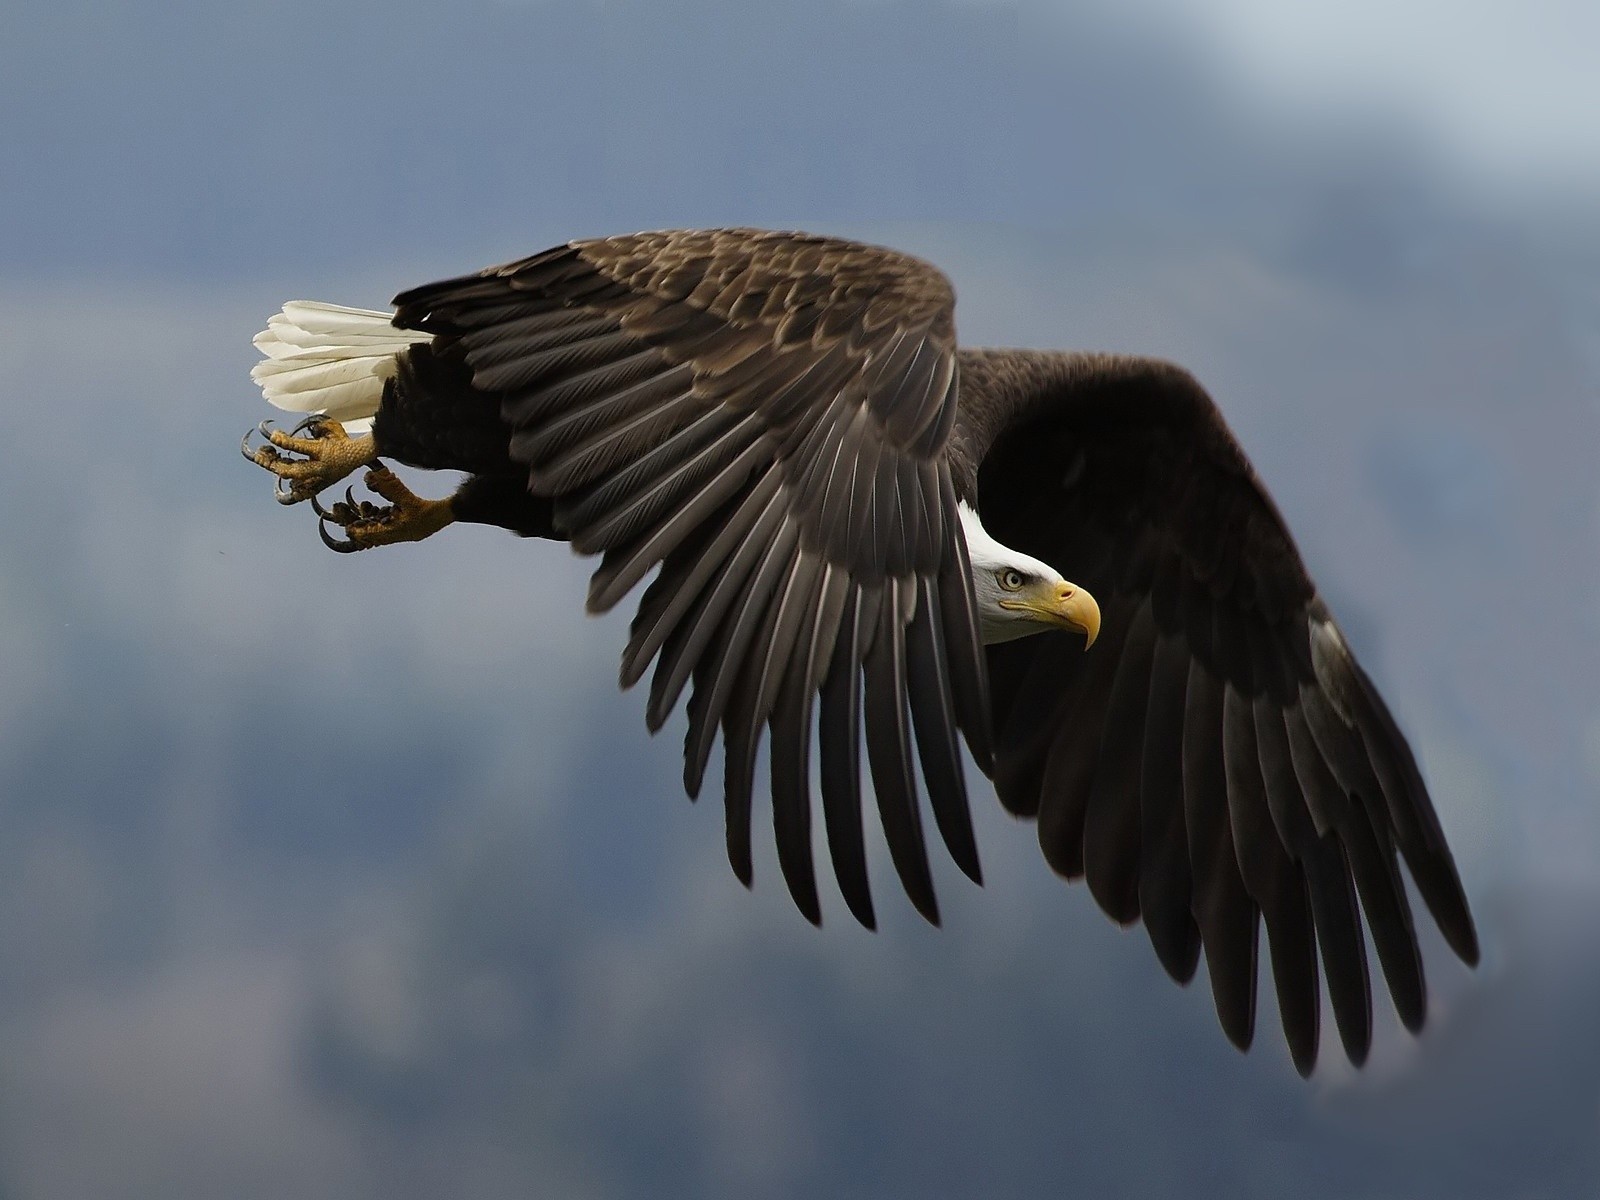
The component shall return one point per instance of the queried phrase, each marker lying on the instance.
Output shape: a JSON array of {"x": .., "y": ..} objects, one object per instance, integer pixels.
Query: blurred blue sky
[{"x": 346, "y": 878}]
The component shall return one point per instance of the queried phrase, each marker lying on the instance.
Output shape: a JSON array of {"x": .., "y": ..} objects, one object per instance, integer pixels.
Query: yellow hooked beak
[{"x": 1062, "y": 605}]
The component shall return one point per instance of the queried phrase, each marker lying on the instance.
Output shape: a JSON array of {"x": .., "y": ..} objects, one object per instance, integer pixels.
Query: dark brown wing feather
[
  {"x": 1218, "y": 756},
  {"x": 763, "y": 417}
]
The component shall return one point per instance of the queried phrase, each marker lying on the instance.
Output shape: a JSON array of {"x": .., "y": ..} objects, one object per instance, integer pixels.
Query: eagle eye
[{"x": 1010, "y": 579}]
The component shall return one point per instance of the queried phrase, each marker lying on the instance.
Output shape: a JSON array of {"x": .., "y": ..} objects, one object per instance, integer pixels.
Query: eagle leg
[
  {"x": 406, "y": 518},
  {"x": 329, "y": 455}
]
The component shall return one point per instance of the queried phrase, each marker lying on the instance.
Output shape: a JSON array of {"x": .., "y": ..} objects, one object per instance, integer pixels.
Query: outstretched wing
[
  {"x": 1218, "y": 756},
  {"x": 763, "y": 417}
]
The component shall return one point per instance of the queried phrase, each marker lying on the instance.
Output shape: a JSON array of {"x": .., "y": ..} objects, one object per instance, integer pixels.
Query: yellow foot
[
  {"x": 330, "y": 454},
  {"x": 406, "y": 518}
]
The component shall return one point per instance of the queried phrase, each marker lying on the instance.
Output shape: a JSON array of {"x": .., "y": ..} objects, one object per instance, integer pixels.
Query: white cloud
[{"x": 1510, "y": 90}]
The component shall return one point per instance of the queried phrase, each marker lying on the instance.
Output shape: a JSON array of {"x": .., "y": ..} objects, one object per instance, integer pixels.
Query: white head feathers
[{"x": 991, "y": 563}]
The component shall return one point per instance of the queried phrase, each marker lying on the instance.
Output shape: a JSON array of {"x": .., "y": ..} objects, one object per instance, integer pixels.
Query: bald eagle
[{"x": 853, "y": 523}]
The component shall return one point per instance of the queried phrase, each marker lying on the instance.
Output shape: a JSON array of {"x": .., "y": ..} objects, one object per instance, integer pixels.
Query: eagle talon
[
  {"x": 406, "y": 518},
  {"x": 349, "y": 546},
  {"x": 327, "y": 454}
]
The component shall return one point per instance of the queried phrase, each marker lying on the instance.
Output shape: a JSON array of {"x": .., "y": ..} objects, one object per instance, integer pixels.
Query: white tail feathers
[{"x": 328, "y": 359}]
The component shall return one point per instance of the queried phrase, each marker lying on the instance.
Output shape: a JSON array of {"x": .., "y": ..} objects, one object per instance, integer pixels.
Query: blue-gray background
[{"x": 354, "y": 877}]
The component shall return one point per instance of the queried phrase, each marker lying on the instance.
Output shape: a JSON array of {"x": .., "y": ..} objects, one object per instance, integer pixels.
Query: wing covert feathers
[
  {"x": 1218, "y": 759},
  {"x": 760, "y": 420}
]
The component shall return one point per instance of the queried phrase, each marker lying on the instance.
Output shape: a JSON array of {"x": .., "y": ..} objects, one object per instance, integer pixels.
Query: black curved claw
[
  {"x": 346, "y": 547},
  {"x": 244, "y": 446},
  {"x": 265, "y": 428},
  {"x": 285, "y": 495},
  {"x": 316, "y": 507}
]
